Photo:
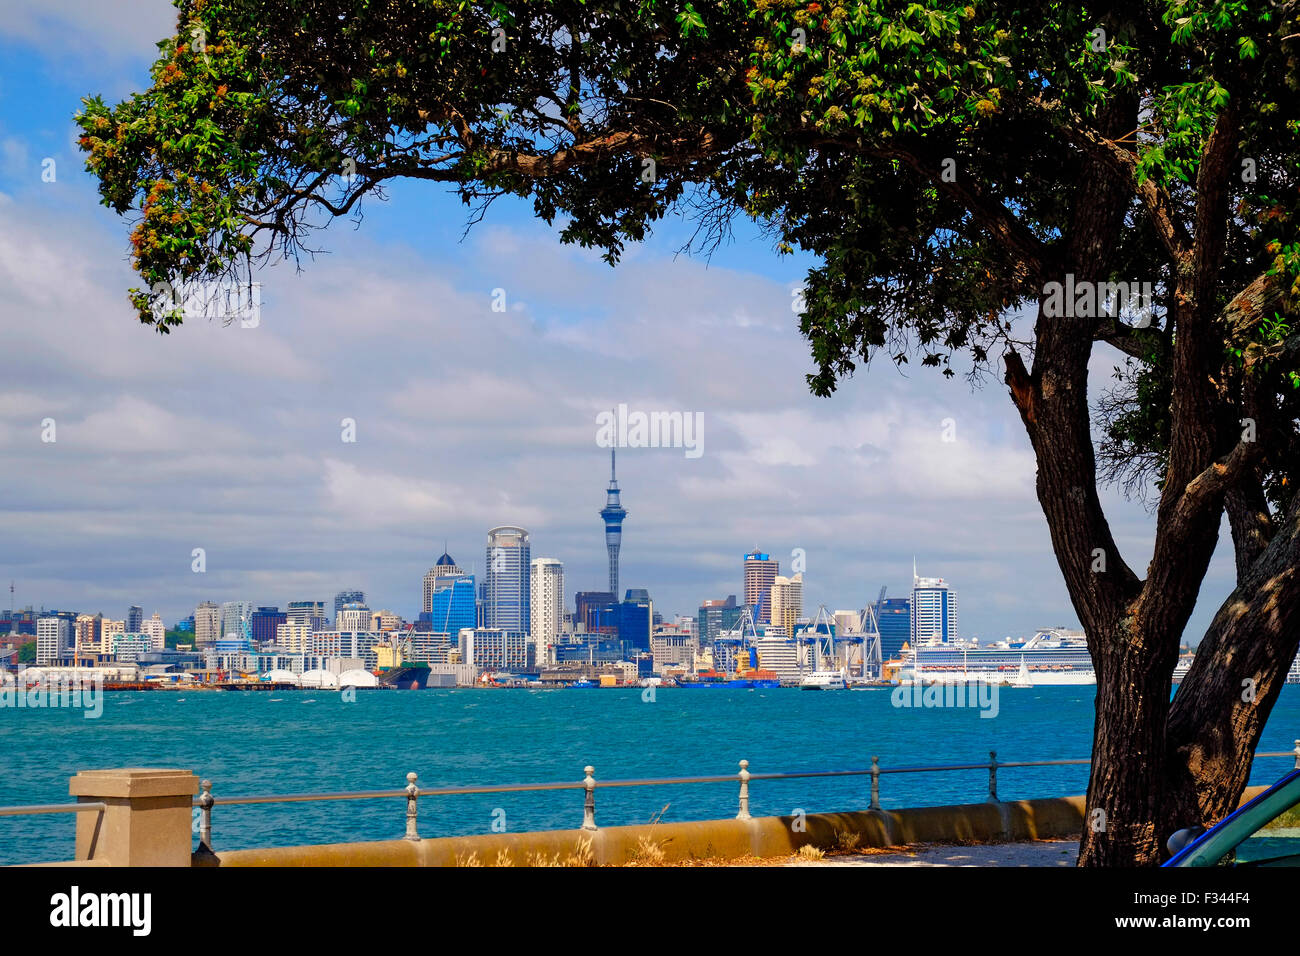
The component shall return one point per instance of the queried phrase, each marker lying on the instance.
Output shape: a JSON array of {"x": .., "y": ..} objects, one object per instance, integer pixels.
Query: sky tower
[{"x": 613, "y": 514}]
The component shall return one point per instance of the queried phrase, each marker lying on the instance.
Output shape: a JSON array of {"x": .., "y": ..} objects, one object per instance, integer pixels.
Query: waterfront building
[
  {"x": 236, "y": 619},
  {"x": 310, "y": 614},
  {"x": 506, "y": 580},
  {"x": 934, "y": 612},
  {"x": 432, "y": 647},
  {"x": 347, "y": 597},
  {"x": 494, "y": 649},
  {"x": 779, "y": 655},
  {"x": 207, "y": 624},
  {"x": 109, "y": 631},
  {"x": 128, "y": 648},
  {"x": 54, "y": 639},
  {"x": 156, "y": 631},
  {"x": 386, "y": 621},
  {"x": 716, "y": 616},
  {"x": 354, "y": 645},
  {"x": 787, "y": 602},
  {"x": 760, "y": 574},
  {"x": 445, "y": 567},
  {"x": 134, "y": 618},
  {"x": 546, "y": 597},
  {"x": 613, "y": 514},
  {"x": 671, "y": 649},
  {"x": 353, "y": 617},
  {"x": 264, "y": 622}
]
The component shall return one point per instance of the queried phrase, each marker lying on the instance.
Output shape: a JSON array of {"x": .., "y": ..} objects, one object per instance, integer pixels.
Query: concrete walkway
[{"x": 1036, "y": 853}]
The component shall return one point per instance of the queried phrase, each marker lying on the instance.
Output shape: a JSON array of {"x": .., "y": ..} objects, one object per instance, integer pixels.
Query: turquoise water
[{"x": 305, "y": 741}]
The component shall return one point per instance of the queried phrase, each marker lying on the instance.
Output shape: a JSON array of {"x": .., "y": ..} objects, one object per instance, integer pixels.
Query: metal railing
[{"x": 412, "y": 792}]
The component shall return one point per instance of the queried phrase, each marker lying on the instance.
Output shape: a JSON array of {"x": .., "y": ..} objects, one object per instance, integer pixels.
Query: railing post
[
  {"x": 412, "y": 797},
  {"x": 205, "y": 815},
  {"x": 744, "y": 791},
  {"x": 875, "y": 783},
  {"x": 993, "y": 776},
  {"x": 589, "y": 804},
  {"x": 149, "y": 820},
  {"x": 1297, "y": 754}
]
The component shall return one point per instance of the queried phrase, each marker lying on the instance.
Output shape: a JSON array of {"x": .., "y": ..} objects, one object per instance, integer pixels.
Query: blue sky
[{"x": 228, "y": 438}]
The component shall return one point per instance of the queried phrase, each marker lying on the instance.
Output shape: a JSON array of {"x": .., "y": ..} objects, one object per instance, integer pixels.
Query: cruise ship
[{"x": 1053, "y": 655}]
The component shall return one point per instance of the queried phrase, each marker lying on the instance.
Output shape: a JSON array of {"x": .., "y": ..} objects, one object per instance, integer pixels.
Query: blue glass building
[{"x": 453, "y": 605}]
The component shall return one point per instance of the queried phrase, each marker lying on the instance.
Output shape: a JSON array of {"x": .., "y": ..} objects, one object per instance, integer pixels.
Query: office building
[
  {"x": 353, "y": 617},
  {"x": 591, "y": 610},
  {"x": 207, "y": 624},
  {"x": 156, "y": 631},
  {"x": 760, "y": 574},
  {"x": 492, "y": 649},
  {"x": 546, "y": 597},
  {"x": 715, "y": 616},
  {"x": 934, "y": 611},
  {"x": 452, "y": 605},
  {"x": 309, "y": 614},
  {"x": 787, "y": 602},
  {"x": 134, "y": 618},
  {"x": 445, "y": 567},
  {"x": 54, "y": 640},
  {"x": 264, "y": 623},
  {"x": 109, "y": 631},
  {"x": 236, "y": 619},
  {"x": 347, "y": 597},
  {"x": 894, "y": 617},
  {"x": 506, "y": 591}
]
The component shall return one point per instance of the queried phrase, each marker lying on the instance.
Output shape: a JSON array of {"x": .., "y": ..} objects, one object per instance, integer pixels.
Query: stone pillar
[{"x": 149, "y": 820}]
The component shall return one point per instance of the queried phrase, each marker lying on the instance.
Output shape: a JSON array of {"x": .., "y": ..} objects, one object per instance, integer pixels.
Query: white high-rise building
[
  {"x": 156, "y": 630},
  {"x": 53, "y": 639},
  {"x": 293, "y": 637},
  {"x": 787, "y": 602},
  {"x": 546, "y": 586},
  {"x": 353, "y": 617},
  {"x": 934, "y": 611}
]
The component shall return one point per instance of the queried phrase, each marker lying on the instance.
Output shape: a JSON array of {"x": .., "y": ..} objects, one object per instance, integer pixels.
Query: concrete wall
[{"x": 706, "y": 839}]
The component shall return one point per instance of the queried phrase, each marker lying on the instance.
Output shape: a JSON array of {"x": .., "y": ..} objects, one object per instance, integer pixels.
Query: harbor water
[{"x": 289, "y": 742}]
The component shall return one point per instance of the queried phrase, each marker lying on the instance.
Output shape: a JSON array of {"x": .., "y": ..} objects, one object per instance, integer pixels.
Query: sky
[{"x": 230, "y": 438}]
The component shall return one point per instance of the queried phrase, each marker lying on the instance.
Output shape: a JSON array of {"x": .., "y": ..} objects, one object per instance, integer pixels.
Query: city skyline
[{"x": 466, "y": 418}]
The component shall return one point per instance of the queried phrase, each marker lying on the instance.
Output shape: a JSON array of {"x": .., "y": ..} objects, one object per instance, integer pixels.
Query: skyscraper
[
  {"x": 787, "y": 601},
  {"x": 444, "y": 567},
  {"x": 760, "y": 574},
  {"x": 305, "y": 614},
  {"x": 236, "y": 618},
  {"x": 546, "y": 595},
  {"x": 506, "y": 594},
  {"x": 347, "y": 597},
  {"x": 613, "y": 514},
  {"x": 207, "y": 624},
  {"x": 134, "y": 617},
  {"x": 934, "y": 611}
]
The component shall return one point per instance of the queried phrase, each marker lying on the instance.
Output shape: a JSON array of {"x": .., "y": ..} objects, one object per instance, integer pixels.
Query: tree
[{"x": 1124, "y": 173}]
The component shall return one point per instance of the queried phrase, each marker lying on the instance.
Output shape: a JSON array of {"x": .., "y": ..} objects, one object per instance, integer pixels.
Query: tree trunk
[
  {"x": 1222, "y": 705},
  {"x": 1128, "y": 750}
]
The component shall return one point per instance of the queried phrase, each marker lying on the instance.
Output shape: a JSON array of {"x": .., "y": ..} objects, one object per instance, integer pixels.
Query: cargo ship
[{"x": 413, "y": 676}]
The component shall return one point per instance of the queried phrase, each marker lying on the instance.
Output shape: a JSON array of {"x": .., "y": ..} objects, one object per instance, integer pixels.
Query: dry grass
[
  {"x": 810, "y": 852},
  {"x": 647, "y": 853},
  {"x": 503, "y": 858},
  {"x": 583, "y": 855},
  {"x": 471, "y": 860}
]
